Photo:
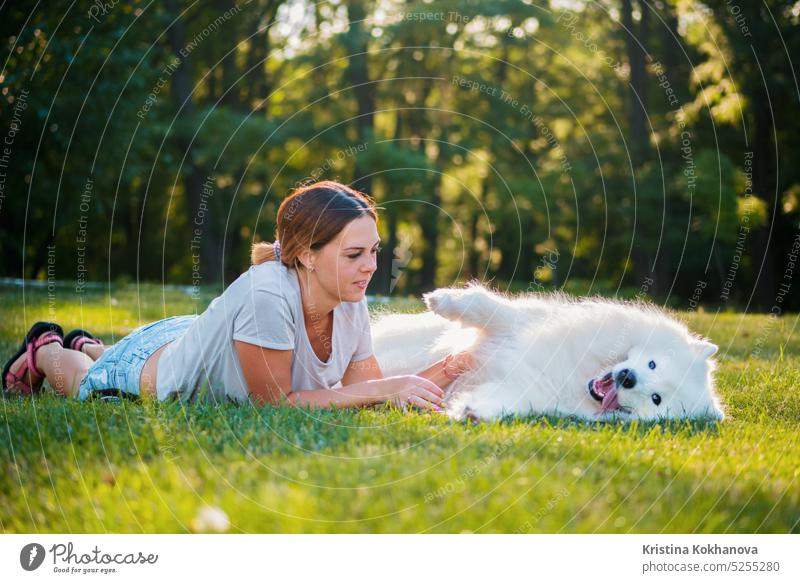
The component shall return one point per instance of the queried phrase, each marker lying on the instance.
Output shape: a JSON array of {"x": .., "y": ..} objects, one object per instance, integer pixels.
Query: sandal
[
  {"x": 76, "y": 339},
  {"x": 40, "y": 334}
]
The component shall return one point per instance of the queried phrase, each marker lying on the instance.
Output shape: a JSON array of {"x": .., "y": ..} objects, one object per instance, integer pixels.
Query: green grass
[{"x": 101, "y": 467}]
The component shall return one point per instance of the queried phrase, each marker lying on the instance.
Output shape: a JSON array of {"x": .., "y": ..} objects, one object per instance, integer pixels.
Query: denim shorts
[{"x": 118, "y": 370}]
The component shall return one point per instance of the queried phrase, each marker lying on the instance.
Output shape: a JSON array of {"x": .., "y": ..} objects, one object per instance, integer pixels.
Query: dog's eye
[
  {"x": 656, "y": 398},
  {"x": 652, "y": 365}
]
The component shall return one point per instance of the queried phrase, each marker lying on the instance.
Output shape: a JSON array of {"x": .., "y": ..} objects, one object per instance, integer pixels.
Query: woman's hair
[{"x": 310, "y": 217}]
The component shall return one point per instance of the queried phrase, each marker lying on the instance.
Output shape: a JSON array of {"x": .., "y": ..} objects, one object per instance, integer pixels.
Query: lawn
[{"x": 128, "y": 467}]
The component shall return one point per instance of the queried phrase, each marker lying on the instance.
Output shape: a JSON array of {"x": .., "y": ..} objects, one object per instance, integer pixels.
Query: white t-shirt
[{"x": 262, "y": 307}]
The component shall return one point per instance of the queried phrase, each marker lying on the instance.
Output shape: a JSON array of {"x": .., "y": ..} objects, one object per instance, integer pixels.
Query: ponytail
[{"x": 263, "y": 252}]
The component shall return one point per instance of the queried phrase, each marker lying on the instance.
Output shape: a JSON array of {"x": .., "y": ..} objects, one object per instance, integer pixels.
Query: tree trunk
[
  {"x": 763, "y": 187},
  {"x": 358, "y": 78},
  {"x": 392, "y": 214},
  {"x": 473, "y": 257},
  {"x": 636, "y": 35},
  {"x": 383, "y": 283},
  {"x": 429, "y": 221},
  {"x": 210, "y": 267},
  {"x": 678, "y": 76}
]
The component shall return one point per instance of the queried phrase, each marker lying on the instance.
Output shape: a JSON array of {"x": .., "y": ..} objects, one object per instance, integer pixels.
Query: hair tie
[{"x": 276, "y": 249}]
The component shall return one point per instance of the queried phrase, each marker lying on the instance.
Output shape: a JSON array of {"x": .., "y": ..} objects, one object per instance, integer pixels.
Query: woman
[{"x": 288, "y": 330}]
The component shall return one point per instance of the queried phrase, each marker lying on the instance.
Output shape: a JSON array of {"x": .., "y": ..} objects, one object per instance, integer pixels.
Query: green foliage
[{"x": 492, "y": 132}]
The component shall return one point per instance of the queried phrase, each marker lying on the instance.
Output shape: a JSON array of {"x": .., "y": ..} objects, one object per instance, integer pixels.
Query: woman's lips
[{"x": 362, "y": 284}]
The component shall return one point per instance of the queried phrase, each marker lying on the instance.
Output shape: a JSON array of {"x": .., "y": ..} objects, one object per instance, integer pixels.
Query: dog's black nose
[{"x": 627, "y": 378}]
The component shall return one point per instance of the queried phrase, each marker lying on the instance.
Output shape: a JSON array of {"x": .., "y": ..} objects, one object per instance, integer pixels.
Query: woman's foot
[
  {"x": 78, "y": 338},
  {"x": 20, "y": 374}
]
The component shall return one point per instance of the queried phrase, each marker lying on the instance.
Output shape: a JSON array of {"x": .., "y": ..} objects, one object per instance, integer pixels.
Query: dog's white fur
[{"x": 537, "y": 354}]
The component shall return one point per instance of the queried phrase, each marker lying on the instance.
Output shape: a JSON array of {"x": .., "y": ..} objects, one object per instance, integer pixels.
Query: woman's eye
[
  {"x": 652, "y": 364},
  {"x": 656, "y": 398},
  {"x": 357, "y": 255}
]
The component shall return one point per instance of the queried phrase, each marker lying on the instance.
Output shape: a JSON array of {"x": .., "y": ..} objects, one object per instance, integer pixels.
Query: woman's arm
[
  {"x": 448, "y": 369},
  {"x": 268, "y": 374},
  {"x": 355, "y": 395},
  {"x": 442, "y": 372},
  {"x": 359, "y": 371}
]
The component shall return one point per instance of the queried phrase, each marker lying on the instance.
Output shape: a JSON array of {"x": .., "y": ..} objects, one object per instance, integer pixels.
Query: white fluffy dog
[{"x": 550, "y": 354}]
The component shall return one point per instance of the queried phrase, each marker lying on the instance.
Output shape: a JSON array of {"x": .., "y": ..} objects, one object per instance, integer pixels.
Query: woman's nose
[{"x": 371, "y": 265}]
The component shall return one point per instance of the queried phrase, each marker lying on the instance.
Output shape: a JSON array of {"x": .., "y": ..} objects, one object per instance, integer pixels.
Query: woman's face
[{"x": 345, "y": 265}]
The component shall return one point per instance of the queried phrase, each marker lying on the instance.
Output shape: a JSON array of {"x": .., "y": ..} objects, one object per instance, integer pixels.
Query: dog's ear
[{"x": 705, "y": 349}]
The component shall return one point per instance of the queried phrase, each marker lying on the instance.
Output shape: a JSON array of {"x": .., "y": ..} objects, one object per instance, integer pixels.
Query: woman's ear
[{"x": 306, "y": 258}]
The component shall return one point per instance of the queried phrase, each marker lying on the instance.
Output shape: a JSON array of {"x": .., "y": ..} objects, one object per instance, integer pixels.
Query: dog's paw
[
  {"x": 440, "y": 301},
  {"x": 470, "y": 415},
  {"x": 461, "y": 412},
  {"x": 451, "y": 303}
]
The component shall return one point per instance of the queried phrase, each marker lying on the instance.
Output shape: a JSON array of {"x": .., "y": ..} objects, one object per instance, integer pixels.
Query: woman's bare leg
[
  {"x": 94, "y": 351},
  {"x": 64, "y": 369}
]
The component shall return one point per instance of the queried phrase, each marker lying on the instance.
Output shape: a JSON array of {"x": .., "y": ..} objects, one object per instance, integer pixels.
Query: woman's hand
[
  {"x": 457, "y": 364},
  {"x": 445, "y": 371},
  {"x": 411, "y": 390}
]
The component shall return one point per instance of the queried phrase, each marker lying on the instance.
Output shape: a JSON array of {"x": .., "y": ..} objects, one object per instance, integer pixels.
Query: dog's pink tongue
[{"x": 610, "y": 401}]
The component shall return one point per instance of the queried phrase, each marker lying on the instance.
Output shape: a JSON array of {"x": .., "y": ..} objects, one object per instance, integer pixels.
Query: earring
[{"x": 311, "y": 268}]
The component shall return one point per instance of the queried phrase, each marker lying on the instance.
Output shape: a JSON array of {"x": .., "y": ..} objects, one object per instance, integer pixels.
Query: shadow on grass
[{"x": 635, "y": 426}]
